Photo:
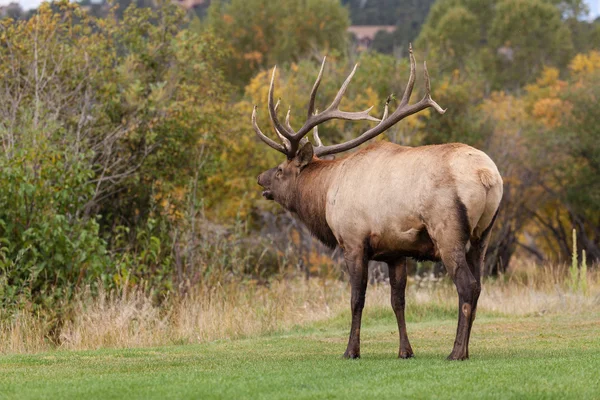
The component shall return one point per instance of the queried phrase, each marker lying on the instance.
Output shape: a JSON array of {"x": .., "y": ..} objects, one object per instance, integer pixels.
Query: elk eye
[{"x": 278, "y": 174}]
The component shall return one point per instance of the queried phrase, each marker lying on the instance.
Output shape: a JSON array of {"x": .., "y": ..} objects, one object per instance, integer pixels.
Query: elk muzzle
[{"x": 264, "y": 180}]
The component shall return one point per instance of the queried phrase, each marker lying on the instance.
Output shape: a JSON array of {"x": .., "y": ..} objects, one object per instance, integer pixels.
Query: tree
[
  {"x": 510, "y": 40},
  {"x": 262, "y": 33},
  {"x": 524, "y": 36},
  {"x": 451, "y": 34},
  {"x": 101, "y": 125},
  {"x": 454, "y": 31},
  {"x": 568, "y": 155}
]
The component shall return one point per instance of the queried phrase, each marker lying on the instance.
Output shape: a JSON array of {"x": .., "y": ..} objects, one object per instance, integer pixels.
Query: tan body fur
[{"x": 392, "y": 194}]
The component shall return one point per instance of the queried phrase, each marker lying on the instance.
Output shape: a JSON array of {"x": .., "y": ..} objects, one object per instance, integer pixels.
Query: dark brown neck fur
[{"x": 310, "y": 199}]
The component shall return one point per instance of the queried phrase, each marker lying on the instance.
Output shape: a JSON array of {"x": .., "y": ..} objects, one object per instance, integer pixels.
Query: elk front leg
[
  {"x": 358, "y": 271},
  {"x": 398, "y": 289}
]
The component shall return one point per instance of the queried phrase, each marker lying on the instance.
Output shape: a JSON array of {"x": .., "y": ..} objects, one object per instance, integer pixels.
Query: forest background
[{"x": 128, "y": 161}]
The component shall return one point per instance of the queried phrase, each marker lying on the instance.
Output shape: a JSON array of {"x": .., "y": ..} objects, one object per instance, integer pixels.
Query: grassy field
[{"x": 547, "y": 356}]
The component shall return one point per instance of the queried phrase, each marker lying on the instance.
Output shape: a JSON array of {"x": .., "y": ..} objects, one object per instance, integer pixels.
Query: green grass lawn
[{"x": 533, "y": 357}]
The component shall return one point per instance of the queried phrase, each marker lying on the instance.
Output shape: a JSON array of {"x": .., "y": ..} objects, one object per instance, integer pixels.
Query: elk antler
[
  {"x": 279, "y": 147},
  {"x": 293, "y": 140}
]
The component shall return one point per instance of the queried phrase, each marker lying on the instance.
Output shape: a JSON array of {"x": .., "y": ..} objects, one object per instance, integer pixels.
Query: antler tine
[
  {"x": 304, "y": 140},
  {"x": 273, "y": 111},
  {"x": 316, "y": 137},
  {"x": 334, "y": 106},
  {"x": 411, "y": 80},
  {"x": 386, "y": 107},
  {"x": 338, "y": 97},
  {"x": 333, "y": 111},
  {"x": 313, "y": 92},
  {"x": 430, "y": 101},
  {"x": 263, "y": 137},
  {"x": 284, "y": 140},
  {"x": 403, "y": 111},
  {"x": 287, "y": 118}
]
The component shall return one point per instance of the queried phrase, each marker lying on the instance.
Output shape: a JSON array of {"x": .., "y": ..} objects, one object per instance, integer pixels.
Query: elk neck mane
[{"x": 310, "y": 199}]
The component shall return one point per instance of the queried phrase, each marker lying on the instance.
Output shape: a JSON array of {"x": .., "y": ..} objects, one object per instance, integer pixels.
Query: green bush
[{"x": 48, "y": 248}]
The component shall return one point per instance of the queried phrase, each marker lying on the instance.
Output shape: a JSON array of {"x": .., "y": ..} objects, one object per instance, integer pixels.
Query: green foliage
[
  {"x": 378, "y": 12},
  {"x": 464, "y": 121},
  {"x": 169, "y": 94},
  {"x": 103, "y": 121},
  {"x": 512, "y": 39},
  {"x": 533, "y": 35},
  {"x": 48, "y": 249},
  {"x": 454, "y": 31},
  {"x": 262, "y": 33},
  {"x": 578, "y": 136}
]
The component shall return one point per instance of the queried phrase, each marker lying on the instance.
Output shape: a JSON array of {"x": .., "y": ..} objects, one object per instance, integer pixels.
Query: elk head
[{"x": 279, "y": 182}]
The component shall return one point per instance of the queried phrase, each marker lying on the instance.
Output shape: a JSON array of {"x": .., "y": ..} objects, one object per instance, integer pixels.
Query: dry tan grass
[{"x": 238, "y": 310}]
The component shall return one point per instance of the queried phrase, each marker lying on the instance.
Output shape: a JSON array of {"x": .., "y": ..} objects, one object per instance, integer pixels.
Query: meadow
[
  {"x": 139, "y": 259},
  {"x": 535, "y": 337}
]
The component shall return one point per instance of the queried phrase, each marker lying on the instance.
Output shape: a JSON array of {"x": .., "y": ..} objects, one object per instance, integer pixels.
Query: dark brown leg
[
  {"x": 358, "y": 270},
  {"x": 398, "y": 289},
  {"x": 475, "y": 259},
  {"x": 468, "y": 293}
]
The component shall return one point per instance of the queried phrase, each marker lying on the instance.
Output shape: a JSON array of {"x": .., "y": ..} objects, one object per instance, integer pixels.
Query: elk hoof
[
  {"x": 457, "y": 357},
  {"x": 351, "y": 355},
  {"x": 406, "y": 354}
]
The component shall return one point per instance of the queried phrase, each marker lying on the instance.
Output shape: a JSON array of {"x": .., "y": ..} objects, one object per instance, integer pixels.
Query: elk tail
[{"x": 487, "y": 178}]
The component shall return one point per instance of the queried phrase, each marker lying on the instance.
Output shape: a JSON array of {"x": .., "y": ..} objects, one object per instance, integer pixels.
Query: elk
[{"x": 388, "y": 202}]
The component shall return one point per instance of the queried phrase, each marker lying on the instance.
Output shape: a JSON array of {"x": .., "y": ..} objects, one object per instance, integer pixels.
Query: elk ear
[{"x": 304, "y": 156}]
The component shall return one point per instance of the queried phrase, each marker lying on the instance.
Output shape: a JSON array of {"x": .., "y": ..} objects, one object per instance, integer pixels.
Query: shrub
[{"x": 48, "y": 249}]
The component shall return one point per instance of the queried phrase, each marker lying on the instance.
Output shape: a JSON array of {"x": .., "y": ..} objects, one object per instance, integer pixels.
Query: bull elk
[{"x": 388, "y": 202}]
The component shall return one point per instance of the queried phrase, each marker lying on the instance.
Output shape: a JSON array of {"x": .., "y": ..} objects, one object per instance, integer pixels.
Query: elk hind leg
[
  {"x": 451, "y": 238},
  {"x": 475, "y": 259},
  {"x": 468, "y": 291},
  {"x": 397, "y": 271}
]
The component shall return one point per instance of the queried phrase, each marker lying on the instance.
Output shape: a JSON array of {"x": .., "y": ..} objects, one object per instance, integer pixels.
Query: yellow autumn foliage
[
  {"x": 548, "y": 85},
  {"x": 585, "y": 63},
  {"x": 551, "y": 111}
]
